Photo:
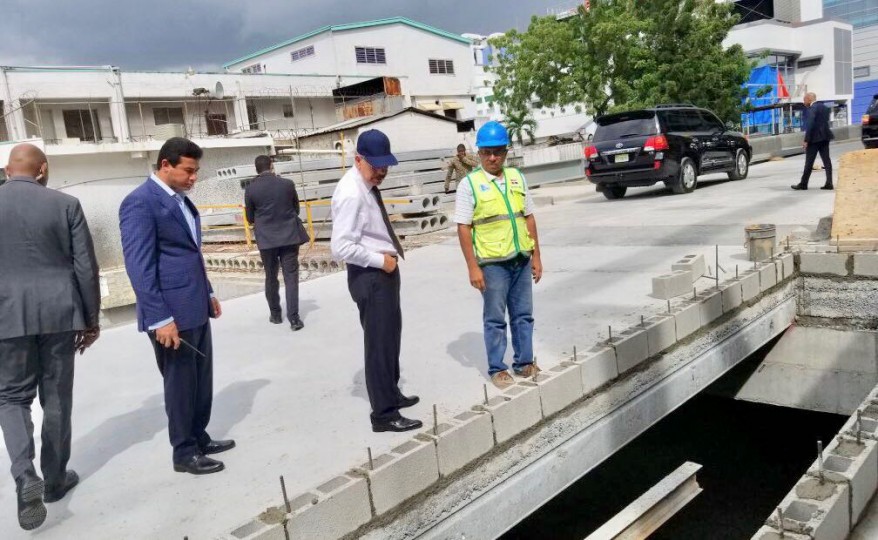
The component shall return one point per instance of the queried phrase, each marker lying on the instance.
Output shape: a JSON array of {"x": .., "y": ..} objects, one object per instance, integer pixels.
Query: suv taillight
[
  {"x": 865, "y": 120},
  {"x": 655, "y": 144},
  {"x": 591, "y": 152}
]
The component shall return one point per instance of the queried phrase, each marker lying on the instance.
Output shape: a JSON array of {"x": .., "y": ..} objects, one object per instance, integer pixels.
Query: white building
[{"x": 434, "y": 67}]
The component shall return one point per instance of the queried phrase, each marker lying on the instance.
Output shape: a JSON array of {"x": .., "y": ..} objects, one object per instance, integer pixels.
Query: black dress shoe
[
  {"x": 215, "y": 447},
  {"x": 408, "y": 401},
  {"x": 275, "y": 318},
  {"x": 799, "y": 187},
  {"x": 199, "y": 464},
  {"x": 55, "y": 493},
  {"x": 31, "y": 510},
  {"x": 828, "y": 187},
  {"x": 400, "y": 424},
  {"x": 296, "y": 323}
]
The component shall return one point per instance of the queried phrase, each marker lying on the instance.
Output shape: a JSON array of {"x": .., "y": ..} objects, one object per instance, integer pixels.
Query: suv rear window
[{"x": 624, "y": 125}]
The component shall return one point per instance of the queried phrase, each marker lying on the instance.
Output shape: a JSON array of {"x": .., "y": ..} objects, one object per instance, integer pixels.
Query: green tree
[
  {"x": 624, "y": 54},
  {"x": 519, "y": 124}
]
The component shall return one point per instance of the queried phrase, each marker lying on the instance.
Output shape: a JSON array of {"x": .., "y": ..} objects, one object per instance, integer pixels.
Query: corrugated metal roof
[{"x": 366, "y": 120}]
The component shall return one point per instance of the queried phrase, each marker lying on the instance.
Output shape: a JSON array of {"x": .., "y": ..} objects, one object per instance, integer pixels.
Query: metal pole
[
  {"x": 142, "y": 123},
  {"x": 93, "y": 119},
  {"x": 820, "y": 461},
  {"x": 371, "y": 464},
  {"x": 186, "y": 118},
  {"x": 717, "y": 266},
  {"x": 485, "y": 390},
  {"x": 435, "y": 422}
]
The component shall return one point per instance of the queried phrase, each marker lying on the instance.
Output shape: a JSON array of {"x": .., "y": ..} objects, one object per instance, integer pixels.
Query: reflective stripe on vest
[{"x": 499, "y": 225}]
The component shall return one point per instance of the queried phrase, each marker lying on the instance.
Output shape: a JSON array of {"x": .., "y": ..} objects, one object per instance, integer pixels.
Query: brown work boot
[
  {"x": 502, "y": 380},
  {"x": 528, "y": 371}
]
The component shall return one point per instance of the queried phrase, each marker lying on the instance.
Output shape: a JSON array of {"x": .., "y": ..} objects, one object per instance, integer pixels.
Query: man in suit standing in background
[
  {"x": 161, "y": 242},
  {"x": 817, "y": 136},
  {"x": 49, "y": 308},
  {"x": 272, "y": 206}
]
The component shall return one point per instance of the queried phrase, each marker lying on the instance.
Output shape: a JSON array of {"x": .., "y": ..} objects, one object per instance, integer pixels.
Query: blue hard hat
[
  {"x": 492, "y": 134},
  {"x": 374, "y": 146}
]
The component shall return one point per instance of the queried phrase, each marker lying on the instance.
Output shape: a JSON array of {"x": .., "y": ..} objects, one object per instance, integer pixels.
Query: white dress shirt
[
  {"x": 464, "y": 202},
  {"x": 359, "y": 235}
]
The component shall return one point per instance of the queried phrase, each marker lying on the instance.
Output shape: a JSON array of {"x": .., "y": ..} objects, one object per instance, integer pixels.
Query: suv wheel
[
  {"x": 742, "y": 166},
  {"x": 687, "y": 178},
  {"x": 614, "y": 192}
]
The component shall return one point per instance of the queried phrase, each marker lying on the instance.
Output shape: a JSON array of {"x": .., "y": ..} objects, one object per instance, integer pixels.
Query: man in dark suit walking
[
  {"x": 49, "y": 307},
  {"x": 272, "y": 205},
  {"x": 161, "y": 242},
  {"x": 817, "y": 137}
]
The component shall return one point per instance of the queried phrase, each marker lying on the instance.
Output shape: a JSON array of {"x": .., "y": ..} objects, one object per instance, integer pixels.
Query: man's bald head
[
  {"x": 809, "y": 98},
  {"x": 28, "y": 160}
]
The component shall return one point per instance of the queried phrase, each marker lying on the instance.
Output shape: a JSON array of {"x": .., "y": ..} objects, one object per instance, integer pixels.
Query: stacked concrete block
[
  {"x": 788, "y": 261},
  {"x": 332, "y": 510},
  {"x": 670, "y": 285},
  {"x": 559, "y": 387},
  {"x": 403, "y": 473},
  {"x": 462, "y": 440},
  {"x": 514, "y": 411},
  {"x": 749, "y": 285},
  {"x": 711, "y": 302},
  {"x": 691, "y": 263},
  {"x": 632, "y": 348},
  {"x": 866, "y": 264},
  {"x": 767, "y": 276},
  {"x": 687, "y": 318},
  {"x": 732, "y": 295},
  {"x": 598, "y": 367},
  {"x": 661, "y": 333},
  {"x": 770, "y": 533},
  {"x": 825, "y": 517},
  {"x": 857, "y": 463},
  {"x": 834, "y": 264}
]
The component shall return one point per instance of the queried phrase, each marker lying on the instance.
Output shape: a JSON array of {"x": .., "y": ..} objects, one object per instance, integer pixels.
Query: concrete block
[
  {"x": 824, "y": 263},
  {"x": 789, "y": 265},
  {"x": 515, "y": 410},
  {"x": 687, "y": 318},
  {"x": 866, "y": 264},
  {"x": 749, "y": 285},
  {"x": 858, "y": 464},
  {"x": 731, "y": 294},
  {"x": 559, "y": 387},
  {"x": 670, "y": 285},
  {"x": 462, "y": 440},
  {"x": 661, "y": 333},
  {"x": 823, "y": 518},
  {"x": 691, "y": 263},
  {"x": 598, "y": 367},
  {"x": 767, "y": 276},
  {"x": 632, "y": 348},
  {"x": 711, "y": 302},
  {"x": 770, "y": 533},
  {"x": 403, "y": 473}
]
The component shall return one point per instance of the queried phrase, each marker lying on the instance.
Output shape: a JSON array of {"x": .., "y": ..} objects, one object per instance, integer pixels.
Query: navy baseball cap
[{"x": 374, "y": 146}]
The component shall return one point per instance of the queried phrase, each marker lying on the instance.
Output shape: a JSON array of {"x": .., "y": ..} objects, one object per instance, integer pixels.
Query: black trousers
[
  {"x": 27, "y": 365},
  {"x": 188, "y": 379},
  {"x": 285, "y": 258},
  {"x": 811, "y": 152},
  {"x": 377, "y": 296}
]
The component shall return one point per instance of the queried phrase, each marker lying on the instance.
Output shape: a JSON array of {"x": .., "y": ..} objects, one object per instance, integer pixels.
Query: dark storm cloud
[{"x": 167, "y": 34}]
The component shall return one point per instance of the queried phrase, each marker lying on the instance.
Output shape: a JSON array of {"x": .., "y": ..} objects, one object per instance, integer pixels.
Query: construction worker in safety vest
[{"x": 498, "y": 236}]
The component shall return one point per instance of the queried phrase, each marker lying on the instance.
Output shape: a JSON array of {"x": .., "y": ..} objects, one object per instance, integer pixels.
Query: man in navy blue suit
[
  {"x": 161, "y": 242},
  {"x": 816, "y": 140}
]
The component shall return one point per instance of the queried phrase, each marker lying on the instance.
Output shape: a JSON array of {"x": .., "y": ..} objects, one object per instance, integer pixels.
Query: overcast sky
[{"x": 175, "y": 34}]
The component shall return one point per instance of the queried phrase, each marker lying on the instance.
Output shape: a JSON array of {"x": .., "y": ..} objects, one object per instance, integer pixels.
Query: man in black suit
[
  {"x": 273, "y": 207},
  {"x": 817, "y": 137},
  {"x": 49, "y": 307}
]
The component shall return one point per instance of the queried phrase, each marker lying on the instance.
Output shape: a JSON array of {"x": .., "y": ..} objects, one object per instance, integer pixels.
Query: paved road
[{"x": 296, "y": 403}]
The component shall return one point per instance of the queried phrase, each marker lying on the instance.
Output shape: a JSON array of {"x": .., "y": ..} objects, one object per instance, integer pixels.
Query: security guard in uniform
[{"x": 498, "y": 236}]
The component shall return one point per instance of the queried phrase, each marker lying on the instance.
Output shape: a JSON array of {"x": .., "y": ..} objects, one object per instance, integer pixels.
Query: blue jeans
[{"x": 508, "y": 285}]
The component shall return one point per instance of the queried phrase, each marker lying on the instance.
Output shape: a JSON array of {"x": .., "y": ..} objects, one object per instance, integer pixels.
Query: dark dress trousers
[
  {"x": 817, "y": 135},
  {"x": 271, "y": 203},
  {"x": 49, "y": 290},
  {"x": 164, "y": 263}
]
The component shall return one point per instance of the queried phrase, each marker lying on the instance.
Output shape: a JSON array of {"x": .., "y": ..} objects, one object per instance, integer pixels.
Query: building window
[
  {"x": 288, "y": 110},
  {"x": 254, "y": 69},
  {"x": 252, "y": 116},
  {"x": 82, "y": 124},
  {"x": 809, "y": 62},
  {"x": 216, "y": 124},
  {"x": 370, "y": 55},
  {"x": 302, "y": 53},
  {"x": 862, "y": 71},
  {"x": 441, "y": 67},
  {"x": 167, "y": 115},
  {"x": 844, "y": 83}
]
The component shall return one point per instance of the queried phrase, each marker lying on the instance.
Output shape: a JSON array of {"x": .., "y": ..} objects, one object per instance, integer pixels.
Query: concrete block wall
[
  {"x": 559, "y": 387},
  {"x": 661, "y": 333},
  {"x": 461, "y": 440},
  {"x": 732, "y": 295},
  {"x": 632, "y": 348},
  {"x": 515, "y": 410},
  {"x": 598, "y": 367},
  {"x": 750, "y": 285},
  {"x": 691, "y": 263},
  {"x": 403, "y": 473},
  {"x": 834, "y": 264},
  {"x": 711, "y": 302},
  {"x": 687, "y": 318},
  {"x": 767, "y": 276},
  {"x": 668, "y": 286}
]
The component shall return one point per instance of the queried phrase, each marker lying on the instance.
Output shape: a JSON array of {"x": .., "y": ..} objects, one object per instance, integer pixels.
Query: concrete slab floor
[{"x": 296, "y": 402}]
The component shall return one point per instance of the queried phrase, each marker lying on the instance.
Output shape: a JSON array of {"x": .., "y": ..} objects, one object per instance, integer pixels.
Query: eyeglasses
[{"x": 495, "y": 152}]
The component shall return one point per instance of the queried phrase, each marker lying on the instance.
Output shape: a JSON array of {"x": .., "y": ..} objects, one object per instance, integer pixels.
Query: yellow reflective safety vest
[{"x": 499, "y": 228}]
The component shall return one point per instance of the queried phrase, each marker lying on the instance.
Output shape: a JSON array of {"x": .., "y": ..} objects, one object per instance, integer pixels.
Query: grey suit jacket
[
  {"x": 48, "y": 270},
  {"x": 271, "y": 203}
]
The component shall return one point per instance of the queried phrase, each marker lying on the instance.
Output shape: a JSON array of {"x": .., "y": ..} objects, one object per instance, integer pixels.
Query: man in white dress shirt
[{"x": 363, "y": 238}]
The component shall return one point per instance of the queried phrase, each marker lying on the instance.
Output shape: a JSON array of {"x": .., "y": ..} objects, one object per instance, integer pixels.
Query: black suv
[
  {"x": 870, "y": 124},
  {"x": 667, "y": 143}
]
